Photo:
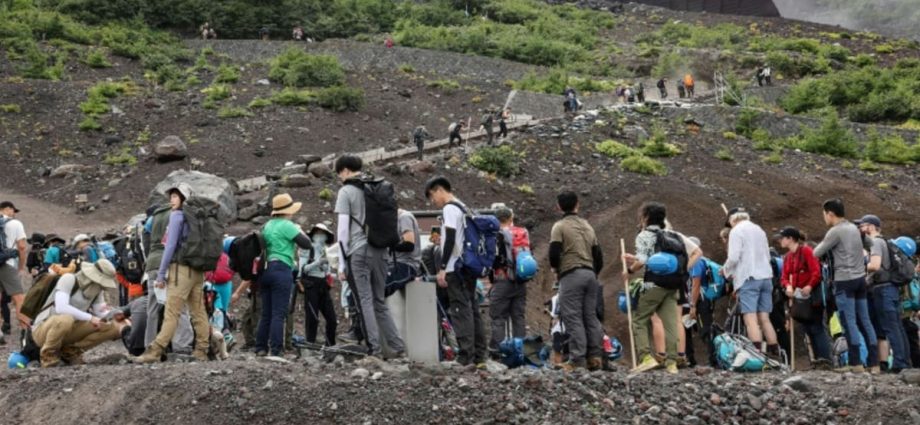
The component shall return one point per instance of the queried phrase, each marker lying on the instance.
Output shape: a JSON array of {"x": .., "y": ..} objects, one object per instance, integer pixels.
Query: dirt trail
[{"x": 45, "y": 217}]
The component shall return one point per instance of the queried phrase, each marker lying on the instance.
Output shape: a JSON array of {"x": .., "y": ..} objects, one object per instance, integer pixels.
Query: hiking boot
[
  {"x": 595, "y": 363},
  {"x": 671, "y": 367},
  {"x": 72, "y": 356},
  {"x": 2, "y": 339},
  {"x": 682, "y": 362},
  {"x": 351, "y": 337},
  {"x": 397, "y": 355},
  {"x": 851, "y": 369},
  {"x": 51, "y": 359},
  {"x": 200, "y": 356},
  {"x": 648, "y": 363},
  {"x": 570, "y": 366},
  {"x": 556, "y": 358},
  {"x": 153, "y": 354},
  {"x": 875, "y": 370},
  {"x": 261, "y": 353}
]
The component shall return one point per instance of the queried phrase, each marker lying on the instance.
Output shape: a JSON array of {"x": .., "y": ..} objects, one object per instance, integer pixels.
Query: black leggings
[{"x": 317, "y": 301}]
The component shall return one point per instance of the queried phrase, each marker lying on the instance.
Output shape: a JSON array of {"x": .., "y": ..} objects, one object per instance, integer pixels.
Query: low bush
[
  {"x": 746, "y": 123},
  {"x": 227, "y": 74},
  {"x": 445, "y": 85},
  {"x": 121, "y": 157},
  {"x": 774, "y": 158},
  {"x": 294, "y": 97},
  {"x": 642, "y": 164},
  {"x": 830, "y": 138},
  {"x": 10, "y": 108},
  {"x": 502, "y": 161},
  {"x": 233, "y": 112},
  {"x": 890, "y": 149},
  {"x": 616, "y": 149},
  {"x": 259, "y": 102},
  {"x": 296, "y": 68},
  {"x": 340, "y": 98},
  {"x": 762, "y": 140},
  {"x": 724, "y": 154},
  {"x": 657, "y": 145},
  {"x": 90, "y": 123},
  {"x": 96, "y": 58},
  {"x": 216, "y": 92}
]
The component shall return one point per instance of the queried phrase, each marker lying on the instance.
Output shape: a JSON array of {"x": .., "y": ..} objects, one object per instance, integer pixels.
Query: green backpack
[{"x": 202, "y": 248}]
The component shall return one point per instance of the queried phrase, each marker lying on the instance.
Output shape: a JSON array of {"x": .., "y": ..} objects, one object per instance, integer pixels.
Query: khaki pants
[
  {"x": 661, "y": 301},
  {"x": 185, "y": 287},
  {"x": 64, "y": 333}
]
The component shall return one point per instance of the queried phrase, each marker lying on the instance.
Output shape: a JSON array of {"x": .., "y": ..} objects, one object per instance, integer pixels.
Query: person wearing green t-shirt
[{"x": 282, "y": 237}]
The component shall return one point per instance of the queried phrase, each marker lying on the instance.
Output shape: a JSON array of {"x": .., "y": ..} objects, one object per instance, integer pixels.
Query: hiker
[
  {"x": 503, "y": 119},
  {"x": 54, "y": 251},
  {"x": 13, "y": 249},
  {"x": 701, "y": 308},
  {"x": 363, "y": 266},
  {"x": 765, "y": 75},
  {"x": 85, "y": 248},
  {"x": 843, "y": 243},
  {"x": 640, "y": 92},
  {"x": 431, "y": 254},
  {"x": 688, "y": 85},
  {"x": 663, "y": 88},
  {"x": 455, "y": 130},
  {"x": 487, "y": 122},
  {"x": 249, "y": 323},
  {"x": 405, "y": 257},
  {"x": 297, "y": 33},
  {"x": 419, "y": 135},
  {"x": 681, "y": 89},
  {"x": 885, "y": 296},
  {"x": 508, "y": 297},
  {"x": 759, "y": 75},
  {"x": 661, "y": 289},
  {"x": 264, "y": 33},
  {"x": 221, "y": 278},
  {"x": 571, "y": 100},
  {"x": 801, "y": 278},
  {"x": 576, "y": 256},
  {"x": 459, "y": 282},
  {"x": 315, "y": 281},
  {"x": 388, "y": 43},
  {"x": 34, "y": 262},
  {"x": 205, "y": 31},
  {"x": 185, "y": 285},
  {"x": 154, "y": 231},
  {"x": 748, "y": 265},
  {"x": 76, "y": 317}
]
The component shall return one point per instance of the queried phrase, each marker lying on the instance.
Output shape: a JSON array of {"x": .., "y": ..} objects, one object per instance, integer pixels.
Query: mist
[{"x": 895, "y": 18}]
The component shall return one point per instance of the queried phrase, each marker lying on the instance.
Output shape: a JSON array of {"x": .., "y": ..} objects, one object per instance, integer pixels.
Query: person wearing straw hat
[
  {"x": 282, "y": 238},
  {"x": 76, "y": 318},
  {"x": 314, "y": 284}
]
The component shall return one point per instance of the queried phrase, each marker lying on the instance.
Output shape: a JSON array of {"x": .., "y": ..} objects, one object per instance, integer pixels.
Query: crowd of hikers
[{"x": 165, "y": 285}]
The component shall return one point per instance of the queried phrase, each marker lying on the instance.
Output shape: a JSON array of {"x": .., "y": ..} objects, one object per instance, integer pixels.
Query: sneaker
[
  {"x": 261, "y": 353},
  {"x": 350, "y": 337},
  {"x": 682, "y": 362},
  {"x": 2, "y": 339},
  {"x": 671, "y": 367},
  {"x": 875, "y": 370},
  {"x": 648, "y": 363}
]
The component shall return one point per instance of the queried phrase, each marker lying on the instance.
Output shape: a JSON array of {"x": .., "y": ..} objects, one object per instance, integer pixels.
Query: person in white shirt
[
  {"x": 748, "y": 265},
  {"x": 14, "y": 272}
]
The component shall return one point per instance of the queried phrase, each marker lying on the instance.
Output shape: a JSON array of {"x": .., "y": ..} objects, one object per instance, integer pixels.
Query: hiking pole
[
  {"x": 724, "y": 209},
  {"x": 632, "y": 341}
]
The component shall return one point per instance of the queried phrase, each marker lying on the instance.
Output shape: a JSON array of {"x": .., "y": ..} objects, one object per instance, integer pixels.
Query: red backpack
[
  {"x": 222, "y": 273},
  {"x": 520, "y": 241}
]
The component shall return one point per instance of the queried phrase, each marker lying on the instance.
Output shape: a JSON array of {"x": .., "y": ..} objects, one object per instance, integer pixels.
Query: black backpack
[
  {"x": 900, "y": 267},
  {"x": 202, "y": 248},
  {"x": 671, "y": 243},
  {"x": 380, "y": 211},
  {"x": 246, "y": 256},
  {"x": 131, "y": 265}
]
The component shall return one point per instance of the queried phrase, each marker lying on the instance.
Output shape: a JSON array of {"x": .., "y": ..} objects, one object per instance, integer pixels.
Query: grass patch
[
  {"x": 122, "y": 157},
  {"x": 326, "y": 194},
  {"x": 525, "y": 189},
  {"x": 642, "y": 164},
  {"x": 830, "y": 138},
  {"x": 502, "y": 161},
  {"x": 869, "y": 166},
  {"x": 445, "y": 85},
  {"x": 233, "y": 112},
  {"x": 406, "y": 68},
  {"x": 724, "y": 155},
  {"x": 90, "y": 123},
  {"x": 260, "y": 102},
  {"x": 616, "y": 149},
  {"x": 774, "y": 158},
  {"x": 216, "y": 92},
  {"x": 762, "y": 140},
  {"x": 296, "y": 68},
  {"x": 657, "y": 145},
  {"x": 729, "y": 135},
  {"x": 96, "y": 58},
  {"x": 10, "y": 108},
  {"x": 890, "y": 149},
  {"x": 340, "y": 98},
  {"x": 294, "y": 97},
  {"x": 227, "y": 74}
]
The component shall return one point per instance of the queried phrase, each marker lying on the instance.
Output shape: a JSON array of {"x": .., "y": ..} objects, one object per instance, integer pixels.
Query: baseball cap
[
  {"x": 789, "y": 232},
  {"x": 870, "y": 219},
  {"x": 732, "y": 212},
  {"x": 8, "y": 204}
]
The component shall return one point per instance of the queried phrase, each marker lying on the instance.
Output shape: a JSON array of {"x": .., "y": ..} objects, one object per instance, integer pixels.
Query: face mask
[{"x": 319, "y": 238}]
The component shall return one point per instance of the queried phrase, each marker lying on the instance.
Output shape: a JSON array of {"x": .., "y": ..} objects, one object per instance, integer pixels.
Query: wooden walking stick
[
  {"x": 632, "y": 341},
  {"x": 724, "y": 209},
  {"x": 792, "y": 327}
]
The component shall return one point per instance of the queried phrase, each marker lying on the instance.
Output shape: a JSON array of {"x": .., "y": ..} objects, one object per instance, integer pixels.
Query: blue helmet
[
  {"x": 227, "y": 242},
  {"x": 908, "y": 246},
  {"x": 662, "y": 263},
  {"x": 621, "y": 302},
  {"x": 617, "y": 351},
  {"x": 17, "y": 360},
  {"x": 526, "y": 267}
]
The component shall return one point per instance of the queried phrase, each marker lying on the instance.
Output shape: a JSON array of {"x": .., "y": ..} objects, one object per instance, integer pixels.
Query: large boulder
[
  {"x": 319, "y": 170},
  {"x": 170, "y": 148},
  {"x": 69, "y": 170},
  {"x": 203, "y": 185}
]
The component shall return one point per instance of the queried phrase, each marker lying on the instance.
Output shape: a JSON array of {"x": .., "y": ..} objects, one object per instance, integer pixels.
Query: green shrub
[
  {"x": 747, "y": 122},
  {"x": 831, "y": 138},
  {"x": 406, "y": 68},
  {"x": 326, "y": 194},
  {"x": 259, "y": 102},
  {"x": 642, "y": 164},
  {"x": 10, "y": 108},
  {"x": 445, "y": 85},
  {"x": 294, "y": 97},
  {"x": 762, "y": 140},
  {"x": 616, "y": 149},
  {"x": 670, "y": 64},
  {"x": 233, "y": 112},
  {"x": 340, "y": 98},
  {"x": 884, "y": 49},
  {"x": 122, "y": 157},
  {"x": 657, "y": 145},
  {"x": 869, "y": 166},
  {"x": 890, "y": 149},
  {"x": 96, "y": 58},
  {"x": 216, "y": 92},
  {"x": 95, "y": 106},
  {"x": 502, "y": 161},
  {"x": 729, "y": 135},
  {"x": 526, "y": 189},
  {"x": 725, "y": 155},
  {"x": 296, "y": 68},
  {"x": 774, "y": 158},
  {"x": 863, "y": 60},
  {"x": 227, "y": 74},
  {"x": 90, "y": 123}
]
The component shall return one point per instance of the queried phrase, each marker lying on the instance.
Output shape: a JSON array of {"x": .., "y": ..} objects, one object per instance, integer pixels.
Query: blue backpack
[
  {"x": 107, "y": 249},
  {"x": 735, "y": 353},
  {"x": 480, "y": 242},
  {"x": 713, "y": 286},
  {"x": 911, "y": 300}
]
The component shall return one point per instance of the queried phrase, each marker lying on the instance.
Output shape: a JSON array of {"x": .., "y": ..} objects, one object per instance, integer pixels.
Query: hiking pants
[
  {"x": 507, "y": 303},
  {"x": 853, "y": 309},
  {"x": 61, "y": 334},
  {"x": 275, "y": 287},
  {"x": 185, "y": 288},
  {"x": 134, "y": 342},
  {"x": 465, "y": 317},
  {"x": 502, "y": 129},
  {"x": 663, "y": 302},
  {"x": 886, "y": 303},
  {"x": 184, "y": 337},
  {"x": 704, "y": 311},
  {"x": 818, "y": 336},
  {"x": 664, "y": 92},
  {"x": 317, "y": 301},
  {"x": 250, "y": 322},
  {"x": 913, "y": 340},
  {"x": 454, "y": 136},
  {"x": 367, "y": 271},
  {"x": 289, "y": 317},
  {"x": 489, "y": 132},
  {"x": 5, "y": 311},
  {"x": 578, "y": 311}
]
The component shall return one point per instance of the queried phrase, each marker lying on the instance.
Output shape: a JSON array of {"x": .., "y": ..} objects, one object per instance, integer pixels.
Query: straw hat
[
  {"x": 101, "y": 272},
  {"x": 283, "y": 204}
]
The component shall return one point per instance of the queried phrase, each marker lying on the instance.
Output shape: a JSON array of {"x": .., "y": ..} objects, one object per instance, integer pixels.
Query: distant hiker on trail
[
  {"x": 419, "y": 135},
  {"x": 207, "y": 33},
  {"x": 575, "y": 255},
  {"x": 455, "y": 129},
  {"x": 508, "y": 297},
  {"x": 458, "y": 280},
  {"x": 667, "y": 257},
  {"x": 763, "y": 75},
  {"x": 688, "y": 85},
  {"x": 663, "y": 88},
  {"x": 640, "y": 92},
  {"x": 315, "y": 281},
  {"x": 571, "y": 100},
  {"x": 487, "y": 122},
  {"x": 681, "y": 89},
  {"x": 389, "y": 43},
  {"x": 264, "y": 33},
  {"x": 885, "y": 296},
  {"x": 844, "y": 246},
  {"x": 75, "y": 318},
  {"x": 801, "y": 279},
  {"x": 13, "y": 258},
  {"x": 297, "y": 33},
  {"x": 503, "y": 117},
  {"x": 748, "y": 264},
  {"x": 361, "y": 264},
  {"x": 185, "y": 284}
]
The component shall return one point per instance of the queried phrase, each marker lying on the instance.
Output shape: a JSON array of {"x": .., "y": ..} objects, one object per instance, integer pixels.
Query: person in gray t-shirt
[{"x": 406, "y": 257}]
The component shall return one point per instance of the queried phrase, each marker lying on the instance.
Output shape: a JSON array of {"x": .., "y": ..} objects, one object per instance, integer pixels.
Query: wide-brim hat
[
  {"x": 325, "y": 229},
  {"x": 53, "y": 237},
  {"x": 37, "y": 238},
  {"x": 80, "y": 238},
  {"x": 183, "y": 188},
  {"x": 283, "y": 204},
  {"x": 101, "y": 272}
]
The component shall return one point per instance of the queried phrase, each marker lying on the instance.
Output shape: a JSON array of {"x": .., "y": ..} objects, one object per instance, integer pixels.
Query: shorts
[
  {"x": 756, "y": 296},
  {"x": 10, "y": 280}
]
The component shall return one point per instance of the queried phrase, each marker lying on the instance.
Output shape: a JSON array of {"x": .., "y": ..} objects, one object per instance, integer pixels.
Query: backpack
[
  {"x": 246, "y": 256},
  {"x": 6, "y": 253},
  {"x": 381, "y": 214},
  {"x": 737, "y": 353},
  {"x": 452, "y": 127},
  {"x": 205, "y": 242},
  {"x": 713, "y": 286},
  {"x": 670, "y": 243},
  {"x": 222, "y": 273},
  {"x": 480, "y": 242},
  {"x": 107, "y": 250},
  {"x": 486, "y": 119},
  {"x": 131, "y": 264},
  {"x": 911, "y": 299},
  {"x": 901, "y": 268},
  {"x": 660, "y": 84},
  {"x": 42, "y": 287}
]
